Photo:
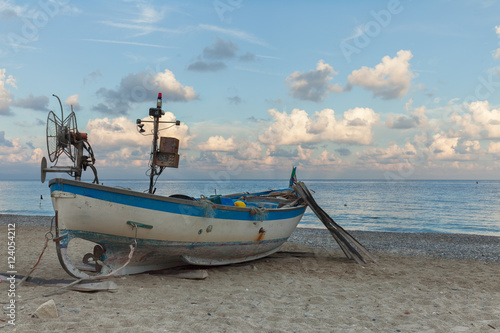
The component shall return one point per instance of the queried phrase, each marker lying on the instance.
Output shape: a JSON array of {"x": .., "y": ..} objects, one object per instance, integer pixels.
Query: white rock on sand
[{"x": 47, "y": 310}]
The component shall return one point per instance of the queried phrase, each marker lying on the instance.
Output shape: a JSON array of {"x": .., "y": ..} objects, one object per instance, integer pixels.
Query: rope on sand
[{"x": 47, "y": 238}]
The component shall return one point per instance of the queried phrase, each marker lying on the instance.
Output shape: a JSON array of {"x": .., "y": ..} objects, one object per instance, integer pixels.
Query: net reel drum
[{"x": 63, "y": 137}]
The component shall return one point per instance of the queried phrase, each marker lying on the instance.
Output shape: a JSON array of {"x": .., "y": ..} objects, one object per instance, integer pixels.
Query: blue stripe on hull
[{"x": 162, "y": 204}]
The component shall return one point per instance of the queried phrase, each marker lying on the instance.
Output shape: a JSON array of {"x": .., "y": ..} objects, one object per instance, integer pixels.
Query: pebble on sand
[{"x": 47, "y": 310}]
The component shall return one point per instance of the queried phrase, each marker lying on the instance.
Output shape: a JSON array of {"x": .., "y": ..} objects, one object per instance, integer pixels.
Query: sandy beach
[{"x": 421, "y": 283}]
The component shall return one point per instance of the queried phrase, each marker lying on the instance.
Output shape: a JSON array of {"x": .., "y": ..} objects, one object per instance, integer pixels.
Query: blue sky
[{"x": 358, "y": 90}]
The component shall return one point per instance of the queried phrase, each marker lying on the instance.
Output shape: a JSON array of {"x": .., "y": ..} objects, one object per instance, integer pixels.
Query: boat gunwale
[{"x": 197, "y": 202}]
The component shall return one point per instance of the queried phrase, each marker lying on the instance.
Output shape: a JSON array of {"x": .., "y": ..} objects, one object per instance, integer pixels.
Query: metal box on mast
[{"x": 168, "y": 154}]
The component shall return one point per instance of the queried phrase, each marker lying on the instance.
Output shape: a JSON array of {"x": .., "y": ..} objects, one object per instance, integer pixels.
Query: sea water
[{"x": 445, "y": 206}]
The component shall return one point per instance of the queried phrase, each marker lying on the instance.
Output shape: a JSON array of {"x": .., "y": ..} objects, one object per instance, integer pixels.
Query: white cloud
[
  {"x": 388, "y": 158},
  {"x": 6, "y": 98},
  {"x": 453, "y": 148},
  {"x": 73, "y": 100},
  {"x": 10, "y": 80},
  {"x": 145, "y": 20},
  {"x": 117, "y": 140},
  {"x": 325, "y": 159},
  {"x": 465, "y": 146},
  {"x": 140, "y": 28},
  {"x": 496, "y": 53},
  {"x": 9, "y": 10},
  {"x": 304, "y": 154},
  {"x": 313, "y": 85},
  {"x": 409, "y": 105},
  {"x": 141, "y": 87},
  {"x": 172, "y": 88},
  {"x": 354, "y": 128},
  {"x": 109, "y": 41},
  {"x": 13, "y": 152},
  {"x": 249, "y": 150},
  {"x": 390, "y": 79},
  {"x": 234, "y": 33},
  {"x": 297, "y": 127},
  {"x": 482, "y": 114},
  {"x": 180, "y": 132},
  {"x": 494, "y": 148},
  {"x": 149, "y": 14},
  {"x": 37, "y": 155},
  {"x": 481, "y": 123},
  {"x": 107, "y": 134},
  {"x": 442, "y": 147},
  {"x": 287, "y": 129},
  {"x": 435, "y": 154},
  {"x": 218, "y": 143},
  {"x": 417, "y": 118}
]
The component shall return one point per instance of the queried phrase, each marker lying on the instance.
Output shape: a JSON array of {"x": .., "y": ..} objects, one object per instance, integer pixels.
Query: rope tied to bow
[
  {"x": 259, "y": 213},
  {"x": 208, "y": 206}
]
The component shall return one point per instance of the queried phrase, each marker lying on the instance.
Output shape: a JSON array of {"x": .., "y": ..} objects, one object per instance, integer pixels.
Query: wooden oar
[{"x": 349, "y": 245}]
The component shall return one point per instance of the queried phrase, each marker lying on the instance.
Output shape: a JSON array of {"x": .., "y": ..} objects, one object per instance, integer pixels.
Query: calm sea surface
[{"x": 403, "y": 206}]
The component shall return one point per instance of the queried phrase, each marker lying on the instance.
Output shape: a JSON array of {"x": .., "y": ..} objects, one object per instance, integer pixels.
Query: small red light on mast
[{"x": 158, "y": 103}]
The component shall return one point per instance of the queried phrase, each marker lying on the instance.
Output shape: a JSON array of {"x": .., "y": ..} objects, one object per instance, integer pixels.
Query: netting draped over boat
[{"x": 208, "y": 207}]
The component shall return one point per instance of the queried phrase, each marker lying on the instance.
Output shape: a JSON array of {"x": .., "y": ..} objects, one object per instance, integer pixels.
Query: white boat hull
[{"x": 169, "y": 232}]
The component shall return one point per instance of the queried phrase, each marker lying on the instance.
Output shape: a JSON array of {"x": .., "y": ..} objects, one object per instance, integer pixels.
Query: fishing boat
[{"x": 133, "y": 232}]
